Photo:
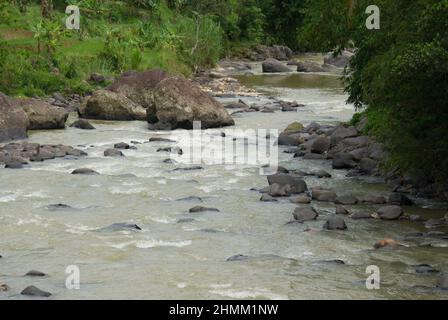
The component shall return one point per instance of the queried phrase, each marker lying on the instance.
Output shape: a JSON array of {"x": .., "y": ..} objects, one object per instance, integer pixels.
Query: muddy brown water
[{"x": 167, "y": 259}]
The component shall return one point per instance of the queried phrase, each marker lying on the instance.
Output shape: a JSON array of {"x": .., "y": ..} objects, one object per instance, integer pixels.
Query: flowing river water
[{"x": 168, "y": 259}]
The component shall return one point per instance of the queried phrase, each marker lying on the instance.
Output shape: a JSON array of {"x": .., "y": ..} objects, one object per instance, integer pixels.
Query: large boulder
[
  {"x": 178, "y": 102},
  {"x": 42, "y": 115},
  {"x": 297, "y": 185},
  {"x": 139, "y": 86},
  {"x": 13, "y": 120},
  {"x": 342, "y": 60},
  {"x": 310, "y": 66},
  {"x": 108, "y": 105},
  {"x": 273, "y": 65}
]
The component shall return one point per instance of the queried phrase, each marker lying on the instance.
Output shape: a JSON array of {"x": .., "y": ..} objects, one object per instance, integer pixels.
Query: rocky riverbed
[{"x": 123, "y": 206}]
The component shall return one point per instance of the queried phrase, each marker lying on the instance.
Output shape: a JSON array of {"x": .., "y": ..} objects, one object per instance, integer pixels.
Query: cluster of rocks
[
  {"x": 165, "y": 101},
  {"x": 262, "y": 52},
  {"x": 331, "y": 63},
  {"x": 17, "y": 116},
  {"x": 70, "y": 103},
  {"x": 270, "y": 107},
  {"x": 346, "y": 147},
  {"x": 220, "y": 85},
  {"x": 17, "y": 154}
]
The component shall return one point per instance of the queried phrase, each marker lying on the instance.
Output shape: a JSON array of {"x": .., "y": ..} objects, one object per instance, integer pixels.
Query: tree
[{"x": 46, "y": 7}]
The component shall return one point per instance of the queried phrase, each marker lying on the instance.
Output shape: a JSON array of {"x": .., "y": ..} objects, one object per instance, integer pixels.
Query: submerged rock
[
  {"x": 300, "y": 199},
  {"x": 121, "y": 145},
  {"x": 323, "y": 195},
  {"x": 360, "y": 215},
  {"x": 35, "y": 292},
  {"x": 191, "y": 198},
  {"x": 341, "y": 210},
  {"x": 442, "y": 282},
  {"x": 267, "y": 198},
  {"x": 202, "y": 209},
  {"x": 346, "y": 199},
  {"x": 35, "y": 273},
  {"x": 113, "y": 153},
  {"x": 42, "y": 115},
  {"x": 159, "y": 139},
  {"x": 120, "y": 227},
  {"x": 335, "y": 223},
  {"x": 86, "y": 171},
  {"x": 425, "y": 268},
  {"x": 400, "y": 199}
]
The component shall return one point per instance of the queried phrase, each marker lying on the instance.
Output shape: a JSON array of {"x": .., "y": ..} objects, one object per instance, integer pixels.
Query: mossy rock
[{"x": 294, "y": 127}]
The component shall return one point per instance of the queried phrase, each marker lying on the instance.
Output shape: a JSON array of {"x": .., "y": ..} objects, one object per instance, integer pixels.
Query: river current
[{"x": 182, "y": 255}]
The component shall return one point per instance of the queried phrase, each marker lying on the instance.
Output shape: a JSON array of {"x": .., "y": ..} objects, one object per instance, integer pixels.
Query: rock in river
[
  {"x": 273, "y": 65},
  {"x": 42, "y": 115},
  {"x": 305, "y": 214},
  {"x": 390, "y": 212},
  {"x": 121, "y": 227},
  {"x": 113, "y": 153},
  {"x": 35, "y": 292},
  {"x": 323, "y": 195},
  {"x": 35, "y": 273},
  {"x": 82, "y": 124},
  {"x": 442, "y": 282},
  {"x": 399, "y": 199},
  {"x": 13, "y": 120},
  {"x": 84, "y": 171},
  {"x": 296, "y": 184},
  {"x": 108, "y": 105},
  {"x": 202, "y": 209},
  {"x": 335, "y": 223},
  {"x": 178, "y": 102}
]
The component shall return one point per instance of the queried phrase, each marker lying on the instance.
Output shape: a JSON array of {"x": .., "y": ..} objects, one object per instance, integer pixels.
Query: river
[{"x": 168, "y": 259}]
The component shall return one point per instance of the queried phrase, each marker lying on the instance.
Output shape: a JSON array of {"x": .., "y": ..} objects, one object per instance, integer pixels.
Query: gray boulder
[
  {"x": 323, "y": 195},
  {"x": 13, "y": 120},
  {"x": 42, "y": 115},
  {"x": 108, "y": 105},
  {"x": 296, "y": 184},
  {"x": 390, "y": 212},
  {"x": 305, "y": 214},
  {"x": 178, "y": 102},
  {"x": 273, "y": 66},
  {"x": 335, "y": 223},
  {"x": 341, "y": 60}
]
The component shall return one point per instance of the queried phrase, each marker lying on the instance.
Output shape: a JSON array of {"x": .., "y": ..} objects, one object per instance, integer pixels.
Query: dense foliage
[{"x": 399, "y": 75}]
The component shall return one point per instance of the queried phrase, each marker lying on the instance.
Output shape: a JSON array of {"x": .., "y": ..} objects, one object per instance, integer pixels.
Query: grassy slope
[{"x": 17, "y": 33}]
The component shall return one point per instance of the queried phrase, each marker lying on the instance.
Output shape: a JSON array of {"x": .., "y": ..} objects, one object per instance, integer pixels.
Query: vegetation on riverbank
[{"x": 398, "y": 76}]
